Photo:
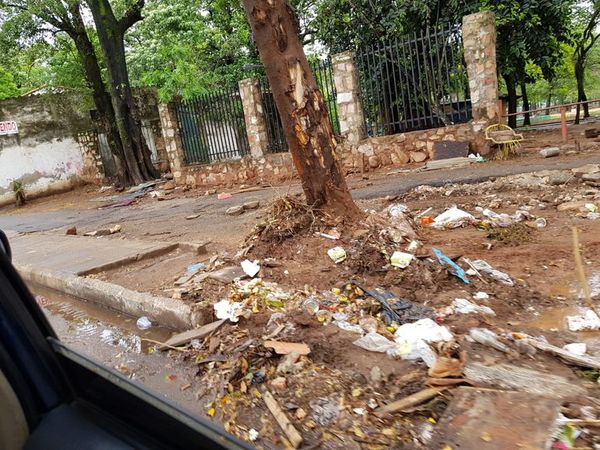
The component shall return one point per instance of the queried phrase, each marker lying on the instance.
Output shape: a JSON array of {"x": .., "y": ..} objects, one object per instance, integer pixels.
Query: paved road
[{"x": 166, "y": 219}]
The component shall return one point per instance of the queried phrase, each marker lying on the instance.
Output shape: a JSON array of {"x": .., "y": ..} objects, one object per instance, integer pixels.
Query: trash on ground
[
  {"x": 325, "y": 409},
  {"x": 337, "y": 254},
  {"x": 410, "y": 401},
  {"x": 143, "y": 323},
  {"x": 577, "y": 348},
  {"x": 413, "y": 339},
  {"x": 487, "y": 337},
  {"x": 503, "y": 220},
  {"x": 396, "y": 309},
  {"x": 104, "y": 231},
  {"x": 549, "y": 152},
  {"x": 224, "y": 196},
  {"x": 187, "y": 336},
  {"x": 481, "y": 296},
  {"x": 589, "y": 321},
  {"x": 453, "y": 218},
  {"x": 252, "y": 434},
  {"x": 578, "y": 360},
  {"x": 193, "y": 268},
  {"x": 401, "y": 259},
  {"x": 290, "y": 431},
  {"x": 454, "y": 268},
  {"x": 540, "y": 222},
  {"x": 464, "y": 306},
  {"x": 284, "y": 348},
  {"x": 228, "y": 310},
  {"x": 482, "y": 266},
  {"x": 250, "y": 268},
  {"x": 347, "y": 326},
  {"x": 375, "y": 342}
]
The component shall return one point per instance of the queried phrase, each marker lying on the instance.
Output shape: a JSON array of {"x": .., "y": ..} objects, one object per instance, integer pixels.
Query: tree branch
[{"x": 131, "y": 16}]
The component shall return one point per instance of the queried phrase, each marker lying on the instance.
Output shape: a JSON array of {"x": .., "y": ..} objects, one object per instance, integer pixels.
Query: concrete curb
[{"x": 163, "y": 311}]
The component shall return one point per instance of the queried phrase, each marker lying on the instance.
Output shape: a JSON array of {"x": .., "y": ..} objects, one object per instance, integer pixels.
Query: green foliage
[
  {"x": 8, "y": 88},
  {"x": 188, "y": 47}
]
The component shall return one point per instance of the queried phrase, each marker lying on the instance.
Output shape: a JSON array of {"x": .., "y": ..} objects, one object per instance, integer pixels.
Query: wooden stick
[
  {"x": 410, "y": 401},
  {"x": 583, "y": 422},
  {"x": 583, "y": 361},
  {"x": 164, "y": 346},
  {"x": 285, "y": 424},
  {"x": 581, "y": 272}
]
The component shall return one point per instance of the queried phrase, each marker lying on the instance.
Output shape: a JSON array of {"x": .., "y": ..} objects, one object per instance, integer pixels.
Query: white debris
[
  {"x": 413, "y": 338},
  {"x": 464, "y": 306},
  {"x": 587, "y": 322},
  {"x": 483, "y": 267},
  {"x": 228, "y": 310},
  {"x": 481, "y": 295},
  {"x": 250, "y": 268},
  {"x": 401, "y": 259},
  {"x": 375, "y": 342},
  {"x": 252, "y": 434},
  {"x": 345, "y": 325},
  {"x": 337, "y": 254},
  {"x": 453, "y": 218},
  {"x": 577, "y": 348},
  {"x": 143, "y": 323},
  {"x": 359, "y": 411}
]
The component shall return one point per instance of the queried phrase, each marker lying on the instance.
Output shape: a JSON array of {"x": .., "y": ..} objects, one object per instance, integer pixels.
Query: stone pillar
[
  {"x": 256, "y": 127},
  {"x": 350, "y": 113},
  {"x": 173, "y": 145},
  {"x": 479, "y": 41}
]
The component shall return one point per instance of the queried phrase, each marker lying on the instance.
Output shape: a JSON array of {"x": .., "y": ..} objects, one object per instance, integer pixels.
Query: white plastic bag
[
  {"x": 453, "y": 218},
  {"x": 464, "y": 306}
]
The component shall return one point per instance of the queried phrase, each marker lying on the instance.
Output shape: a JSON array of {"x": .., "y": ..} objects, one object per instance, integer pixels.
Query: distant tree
[
  {"x": 64, "y": 16},
  {"x": 111, "y": 30},
  {"x": 586, "y": 34},
  {"x": 8, "y": 88}
]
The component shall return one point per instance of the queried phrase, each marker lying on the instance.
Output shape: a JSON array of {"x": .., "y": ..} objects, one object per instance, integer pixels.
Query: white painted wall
[{"x": 48, "y": 166}]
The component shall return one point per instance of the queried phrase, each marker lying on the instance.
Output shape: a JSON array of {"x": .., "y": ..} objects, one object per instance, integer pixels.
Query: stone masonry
[
  {"x": 256, "y": 127},
  {"x": 172, "y": 141},
  {"x": 356, "y": 152},
  {"x": 350, "y": 112},
  {"x": 479, "y": 41},
  {"x": 93, "y": 169}
]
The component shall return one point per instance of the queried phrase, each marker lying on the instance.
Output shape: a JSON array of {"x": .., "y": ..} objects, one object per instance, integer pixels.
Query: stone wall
[
  {"x": 276, "y": 167},
  {"x": 45, "y": 154},
  {"x": 400, "y": 149},
  {"x": 93, "y": 169}
]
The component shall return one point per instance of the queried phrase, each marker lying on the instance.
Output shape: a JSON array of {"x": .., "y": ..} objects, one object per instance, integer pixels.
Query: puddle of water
[
  {"x": 554, "y": 319},
  {"x": 113, "y": 340}
]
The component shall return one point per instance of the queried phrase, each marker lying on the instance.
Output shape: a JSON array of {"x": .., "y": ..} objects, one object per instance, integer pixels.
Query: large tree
[
  {"x": 301, "y": 106},
  {"x": 64, "y": 16},
  {"x": 111, "y": 32},
  {"x": 586, "y": 34}
]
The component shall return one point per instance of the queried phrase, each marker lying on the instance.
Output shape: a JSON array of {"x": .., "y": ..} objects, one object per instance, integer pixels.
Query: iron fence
[
  {"x": 413, "y": 83},
  {"x": 212, "y": 127},
  {"x": 323, "y": 73}
]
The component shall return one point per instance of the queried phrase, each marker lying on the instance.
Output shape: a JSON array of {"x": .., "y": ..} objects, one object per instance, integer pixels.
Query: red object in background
[{"x": 426, "y": 220}]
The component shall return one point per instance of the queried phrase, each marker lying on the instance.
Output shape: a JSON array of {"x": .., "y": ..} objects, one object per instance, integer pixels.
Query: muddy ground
[{"x": 331, "y": 395}]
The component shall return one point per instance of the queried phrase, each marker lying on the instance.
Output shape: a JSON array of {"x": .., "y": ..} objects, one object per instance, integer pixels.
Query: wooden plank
[
  {"x": 285, "y": 348},
  {"x": 290, "y": 431},
  {"x": 496, "y": 420},
  {"x": 582, "y": 361},
  {"x": 187, "y": 336},
  {"x": 410, "y": 401}
]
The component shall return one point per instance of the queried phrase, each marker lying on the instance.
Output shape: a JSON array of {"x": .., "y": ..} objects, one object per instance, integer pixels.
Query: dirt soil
[{"x": 331, "y": 394}]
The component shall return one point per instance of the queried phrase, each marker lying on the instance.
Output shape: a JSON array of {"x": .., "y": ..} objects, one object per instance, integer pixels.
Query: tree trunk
[
  {"x": 110, "y": 34},
  {"x": 511, "y": 87},
  {"x": 301, "y": 106},
  {"x": 581, "y": 95},
  {"x": 548, "y": 102},
  {"x": 526, "y": 106},
  {"x": 102, "y": 99}
]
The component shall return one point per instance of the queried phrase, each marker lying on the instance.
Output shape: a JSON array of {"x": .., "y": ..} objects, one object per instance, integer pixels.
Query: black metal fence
[
  {"x": 323, "y": 73},
  {"x": 415, "y": 82},
  {"x": 212, "y": 127}
]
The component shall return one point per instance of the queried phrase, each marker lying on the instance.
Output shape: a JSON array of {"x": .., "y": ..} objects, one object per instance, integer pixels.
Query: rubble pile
[{"x": 394, "y": 329}]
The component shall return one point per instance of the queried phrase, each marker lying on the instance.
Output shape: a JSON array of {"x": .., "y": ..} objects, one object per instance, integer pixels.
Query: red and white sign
[{"x": 9, "y": 127}]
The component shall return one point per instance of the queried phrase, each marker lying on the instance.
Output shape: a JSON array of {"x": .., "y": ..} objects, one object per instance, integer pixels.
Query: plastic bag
[
  {"x": 453, "y": 218},
  {"x": 464, "y": 306}
]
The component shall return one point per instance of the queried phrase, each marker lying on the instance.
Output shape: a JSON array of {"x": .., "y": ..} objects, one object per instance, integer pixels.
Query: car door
[{"x": 52, "y": 397}]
